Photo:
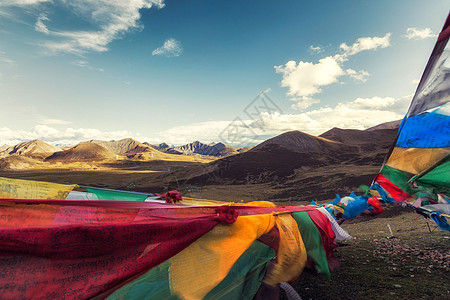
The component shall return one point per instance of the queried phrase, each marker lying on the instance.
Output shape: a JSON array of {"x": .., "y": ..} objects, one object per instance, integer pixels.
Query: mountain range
[
  {"x": 34, "y": 148},
  {"x": 295, "y": 151},
  {"x": 292, "y": 164},
  {"x": 278, "y": 157},
  {"x": 212, "y": 149},
  {"x": 129, "y": 148}
]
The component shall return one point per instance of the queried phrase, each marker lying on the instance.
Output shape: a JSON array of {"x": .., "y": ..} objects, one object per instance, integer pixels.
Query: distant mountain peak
[
  {"x": 34, "y": 148},
  {"x": 198, "y": 148},
  {"x": 163, "y": 145},
  {"x": 124, "y": 146},
  {"x": 212, "y": 149},
  {"x": 387, "y": 125},
  {"x": 299, "y": 141},
  {"x": 83, "y": 151}
]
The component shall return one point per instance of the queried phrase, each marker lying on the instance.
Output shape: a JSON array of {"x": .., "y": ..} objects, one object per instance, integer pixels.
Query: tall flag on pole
[{"x": 417, "y": 167}]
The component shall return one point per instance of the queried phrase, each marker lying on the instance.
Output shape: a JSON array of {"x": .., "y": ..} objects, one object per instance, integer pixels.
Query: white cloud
[
  {"x": 419, "y": 34},
  {"x": 366, "y": 43},
  {"x": 303, "y": 103},
  {"x": 170, "y": 48},
  {"x": 85, "y": 64},
  {"x": 415, "y": 81},
  {"x": 54, "y": 122},
  {"x": 315, "y": 49},
  {"x": 40, "y": 26},
  {"x": 19, "y": 4},
  {"x": 5, "y": 59},
  {"x": 22, "y": 2},
  {"x": 5, "y": 15},
  {"x": 80, "y": 63},
  {"x": 111, "y": 19},
  {"x": 361, "y": 113},
  {"x": 369, "y": 103},
  {"x": 358, "y": 75},
  {"x": 68, "y": 136},
  {"x": 305, "y": 79},
  {"x": 47, "y": 131}
]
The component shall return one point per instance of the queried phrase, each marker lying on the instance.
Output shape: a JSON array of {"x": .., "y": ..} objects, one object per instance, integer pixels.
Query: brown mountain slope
[
  {"x": 387, "y": 125},
  {"x": 358, "y": 137},
  {"x": 122, "y": 146},
  {"x": 17, "y": 162},
  {"x": 279, "y": 157},
  {"x": 377, "y": 140},
  {"x": 34, "y": 148},
  {"x": 4, "y": 147},
  {"x": 132, "y": 149},
  {"x": 293, "y": 165},
  {"x": 82, "y": 152},
  {"x": 301, "y": 142},
  {"x": 347, "y": 136}
]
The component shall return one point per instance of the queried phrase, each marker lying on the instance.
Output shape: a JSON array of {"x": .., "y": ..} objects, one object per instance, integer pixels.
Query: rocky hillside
[
  {"x": 296, "y": 152},
  {"x": 163, "y": 147},
  {"x": 86, "y": 151},
  {"x": 34, "y": 148},
  {"x": 199, "y": 148}
]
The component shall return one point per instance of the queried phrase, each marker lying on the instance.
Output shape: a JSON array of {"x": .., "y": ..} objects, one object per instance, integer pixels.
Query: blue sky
[{"x": 179, "y": 71}]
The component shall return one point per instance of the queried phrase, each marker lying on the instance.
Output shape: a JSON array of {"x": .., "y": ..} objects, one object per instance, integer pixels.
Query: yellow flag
[
  {"x": 258, "y": 203},
  {"x": 291, "y": 258},
  {"x": 29, "y": 189},
  {"x": 205, "y": 263},
  {"x": 415, "y": 160}
]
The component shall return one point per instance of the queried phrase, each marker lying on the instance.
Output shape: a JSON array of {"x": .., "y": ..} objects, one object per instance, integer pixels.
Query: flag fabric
[
  {"x": 28, "y": 189},
  {"x": 128, "y": 248},
  {"x": 417, "y": 168}
]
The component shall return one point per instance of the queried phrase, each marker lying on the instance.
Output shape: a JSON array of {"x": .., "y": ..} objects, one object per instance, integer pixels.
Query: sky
[{"x": 237, "y": 72}]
